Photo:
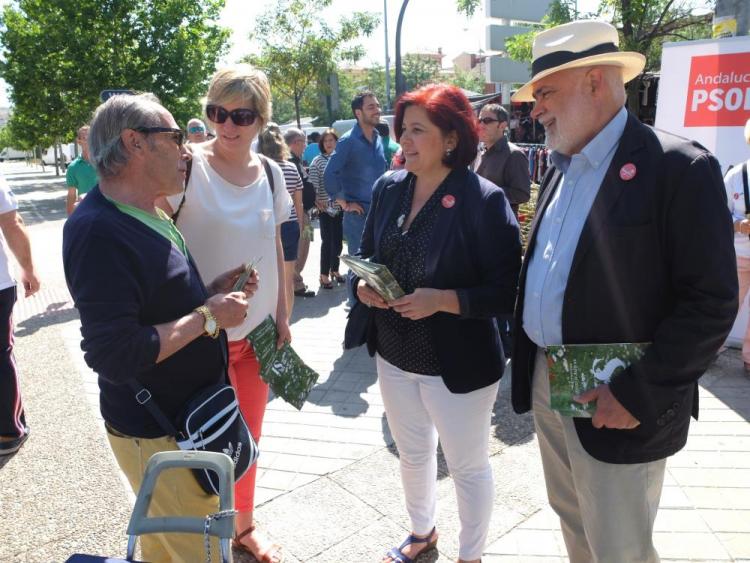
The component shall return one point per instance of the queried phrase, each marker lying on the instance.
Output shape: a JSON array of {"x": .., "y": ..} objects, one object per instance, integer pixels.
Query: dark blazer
[
  {"x": 655, "y": 263},
  {"x": 476, "y": 250}
]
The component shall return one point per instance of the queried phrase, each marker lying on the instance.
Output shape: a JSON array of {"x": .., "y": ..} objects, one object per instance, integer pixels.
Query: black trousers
[
  {"x": 331, "y": 242},
  {"x": 12, "y": 419}
]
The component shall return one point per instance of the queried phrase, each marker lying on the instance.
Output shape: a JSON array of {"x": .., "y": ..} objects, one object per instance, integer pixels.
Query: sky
[{"x": 428, "y": 24}]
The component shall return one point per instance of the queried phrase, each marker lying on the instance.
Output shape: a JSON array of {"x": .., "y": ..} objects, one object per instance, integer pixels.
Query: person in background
[
  {"x": 451, "y": 241},
  {"x": 503, "y": 163},
  {"x": 390, "y": 147},
  {"x": 271, "y": 143},
  {"x": 232, "y": 214},
  {"x": 80, "y": 176},
  {"x": 145, "y": 312},
  {"x": 13, "y": 428},
  {"x": 196, "y": 131},
  {"x": 355, "y": 165},
  {"x": 632, "y": 243},
  {"x": 312, "y": 149},
  {"x": 331, "y": 230},
  {"x": 737, "y": 183},
  {"x": 295, "y": 140}
]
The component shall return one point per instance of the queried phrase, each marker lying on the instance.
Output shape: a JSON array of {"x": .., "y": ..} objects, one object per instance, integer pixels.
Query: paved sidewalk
[{"x": 328, "y": 482}]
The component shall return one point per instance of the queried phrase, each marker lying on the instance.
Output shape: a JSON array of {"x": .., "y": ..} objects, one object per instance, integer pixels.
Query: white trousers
[
  {"x": 420, "y": 408},
  {"x": 606, "y": 510}
]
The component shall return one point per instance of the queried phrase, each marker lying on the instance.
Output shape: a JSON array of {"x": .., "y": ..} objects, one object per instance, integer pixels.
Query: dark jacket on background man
[{"x": 506, "y": 166}]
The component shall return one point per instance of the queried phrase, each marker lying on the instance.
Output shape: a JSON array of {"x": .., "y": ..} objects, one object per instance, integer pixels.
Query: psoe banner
[{"x": 704, "y": 94}]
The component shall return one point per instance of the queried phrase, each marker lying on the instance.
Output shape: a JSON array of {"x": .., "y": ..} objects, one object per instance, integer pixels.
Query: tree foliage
[
  {"x": 58, "y": 56},
  {"x": 299, "y": 50}
]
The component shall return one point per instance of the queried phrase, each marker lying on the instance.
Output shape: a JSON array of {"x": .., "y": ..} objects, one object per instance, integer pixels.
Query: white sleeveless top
[{"x": 226, "y": 225}]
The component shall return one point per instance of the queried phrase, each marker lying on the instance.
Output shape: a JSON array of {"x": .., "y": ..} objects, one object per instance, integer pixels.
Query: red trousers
[{"x": 252, "y": 393}]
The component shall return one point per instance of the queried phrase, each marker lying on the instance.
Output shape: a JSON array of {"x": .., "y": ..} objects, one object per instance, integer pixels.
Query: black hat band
[{"x": 559, "y": 58}]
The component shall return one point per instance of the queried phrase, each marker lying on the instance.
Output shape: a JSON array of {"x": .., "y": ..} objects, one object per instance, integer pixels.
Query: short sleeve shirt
[
  {"x": 8, "y": 203},
  {"x": 81, "y": 176},
  {"x": 293, "y": 184}
]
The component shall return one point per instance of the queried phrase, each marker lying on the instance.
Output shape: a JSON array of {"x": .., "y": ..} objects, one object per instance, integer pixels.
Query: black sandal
[
  {"x": 326, "y": 284},
  {"x": 338, "y": 277},
  {"x": 397, "y": 555}
]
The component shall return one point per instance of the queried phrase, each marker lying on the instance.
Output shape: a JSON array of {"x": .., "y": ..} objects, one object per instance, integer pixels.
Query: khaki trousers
[
  {"x": 176, "y": 493},
  {"x": 606, "y": 510}
]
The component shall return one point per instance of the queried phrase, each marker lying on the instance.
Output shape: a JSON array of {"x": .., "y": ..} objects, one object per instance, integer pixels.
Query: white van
[
  {"x": 13, "y": 154},
  {"x": 66, "y": 156}
]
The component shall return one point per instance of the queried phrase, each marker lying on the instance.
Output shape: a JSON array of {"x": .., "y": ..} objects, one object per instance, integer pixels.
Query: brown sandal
[{"x": 272, "y": 555}]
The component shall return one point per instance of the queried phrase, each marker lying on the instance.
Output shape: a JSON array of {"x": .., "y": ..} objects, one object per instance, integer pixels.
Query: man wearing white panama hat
[{"x": 632, "y": 242}]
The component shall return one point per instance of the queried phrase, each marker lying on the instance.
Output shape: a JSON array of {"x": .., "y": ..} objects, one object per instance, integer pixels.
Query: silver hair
[
  {"x": 292, "y": 134},
  {"x": 106, "y": 149}
]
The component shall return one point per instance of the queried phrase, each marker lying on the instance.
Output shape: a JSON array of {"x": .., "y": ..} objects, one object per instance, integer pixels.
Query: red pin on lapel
[
  {"x": 628, "y": 171},
  {"x": 448, "y": 201}
]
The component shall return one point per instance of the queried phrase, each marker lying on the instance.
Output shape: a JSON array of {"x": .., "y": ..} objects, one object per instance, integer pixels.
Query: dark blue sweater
[{"x": 125, "y": 278}]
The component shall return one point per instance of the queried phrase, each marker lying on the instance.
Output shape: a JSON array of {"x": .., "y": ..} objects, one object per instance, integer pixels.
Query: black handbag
[
  {"x": 357, "y": 323},
  {"x": 211, "y": 421}
]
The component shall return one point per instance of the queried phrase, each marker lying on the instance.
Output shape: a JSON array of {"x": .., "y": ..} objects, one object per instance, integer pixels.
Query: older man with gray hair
[
  {"x": 145, "y": 313},
  {"x": 296, "y": 141}
]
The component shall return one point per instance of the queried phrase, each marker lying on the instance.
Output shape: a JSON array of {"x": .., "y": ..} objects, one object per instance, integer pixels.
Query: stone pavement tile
[
  {"x": 674, "y": 497},
  {"x": 324, "y": 420},
  {"x": 528, "y": 543},
  {"x": 725, "y": 414},
  {"x": 544, "y": 519},
  {"x": 718, "y": 444},
  {"x": 507, "y": 426},
  {"x": 727, "y": 498},
  {"x": 527, "y": 494},
  {"x": 264, "y": 495},
  {"x": 738, "y": 545},
  {"x": 709, "y": 477},
  {"x": 727, "y": 520},
  {"x": 306, "y": 464},
  {"x": 706, "y": 460},
  {"x": 354, "y": 436},
  {"x": 274, "y": 479},
  {"x": 691, "y": 546},
  {"x": 318, "y": 448},
  {"x": 721, "y": 429},
  {"x": 368, "y": 544},
  {"x": 314, "y": 517},
  {"x": 680, "y": 520}
]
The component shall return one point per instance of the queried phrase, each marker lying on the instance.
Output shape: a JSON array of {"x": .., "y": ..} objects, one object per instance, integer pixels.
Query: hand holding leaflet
[{"x": 377, "y": 276}]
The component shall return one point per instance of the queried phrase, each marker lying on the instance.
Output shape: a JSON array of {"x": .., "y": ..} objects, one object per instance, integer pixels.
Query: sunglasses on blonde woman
[{"x": 239, "y": 116}]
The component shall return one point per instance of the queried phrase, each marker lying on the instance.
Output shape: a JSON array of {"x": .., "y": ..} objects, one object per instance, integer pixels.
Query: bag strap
[
  {"x": 143, "y": 396},
  {"x": 745, "y": 187},
  {"x": 269, "y": 173}
]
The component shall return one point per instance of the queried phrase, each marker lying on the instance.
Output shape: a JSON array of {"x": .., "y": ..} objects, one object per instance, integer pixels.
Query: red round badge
[
  {"x": 448, "y": 201},
  {"x": 628, "y": 171},
  {"x": 736, "y": 195}
]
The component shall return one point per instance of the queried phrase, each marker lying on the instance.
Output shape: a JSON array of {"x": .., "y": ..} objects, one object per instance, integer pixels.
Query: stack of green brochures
[
  {"x": 377, "y": 276},
  {"x": 283, "y": 370},
  {"x": 575, "y": 368}
]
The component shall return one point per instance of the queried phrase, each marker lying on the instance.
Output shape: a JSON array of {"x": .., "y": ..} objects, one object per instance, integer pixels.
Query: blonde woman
[{"x": 230, "y": 213}]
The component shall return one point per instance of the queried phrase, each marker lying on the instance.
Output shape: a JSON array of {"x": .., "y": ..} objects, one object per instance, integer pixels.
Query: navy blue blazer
[
  {"x": 475, "y": 250},
  {"x": 654, "y": 263}
]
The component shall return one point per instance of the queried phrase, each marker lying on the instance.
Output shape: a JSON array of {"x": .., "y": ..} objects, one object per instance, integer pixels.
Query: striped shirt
[
  {"x": 317, "y": 168},
  {"x": 293, "y": 183}
]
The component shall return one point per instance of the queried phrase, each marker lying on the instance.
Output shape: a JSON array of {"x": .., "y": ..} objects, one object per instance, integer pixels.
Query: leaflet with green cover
[
  {"x": 575, "y": 368},
  {"x": 285, "y": 372},
  {"x": 377, "y": 276}
]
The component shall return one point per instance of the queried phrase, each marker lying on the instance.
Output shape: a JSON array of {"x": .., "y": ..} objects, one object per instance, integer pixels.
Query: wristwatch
[{"x": 210, "y": 325}]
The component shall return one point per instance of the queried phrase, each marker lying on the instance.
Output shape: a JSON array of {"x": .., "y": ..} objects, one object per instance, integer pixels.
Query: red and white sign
[{"x": 718, "y": 91}]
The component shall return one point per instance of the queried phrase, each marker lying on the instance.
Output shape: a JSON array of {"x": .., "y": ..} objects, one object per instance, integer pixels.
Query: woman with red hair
[{"x": 452, "y": 242}]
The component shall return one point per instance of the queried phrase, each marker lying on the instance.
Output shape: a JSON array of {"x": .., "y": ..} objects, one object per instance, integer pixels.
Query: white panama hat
[{"x": 578, "y": 44}]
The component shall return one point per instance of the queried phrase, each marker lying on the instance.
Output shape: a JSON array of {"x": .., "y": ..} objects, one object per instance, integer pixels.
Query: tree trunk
[
  {"x": 296, "y": 110},
  {"x": 57, "y": 159}
]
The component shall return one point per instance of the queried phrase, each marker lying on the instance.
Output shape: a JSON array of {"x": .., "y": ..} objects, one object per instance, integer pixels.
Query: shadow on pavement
[
  {"x": 54, "y": 314},
  {"x": 42, "y": 211},
  {"x": 34, "y": 176},
  {"x": 726, "y": 380},
  {"x": 343, "y": 389}
]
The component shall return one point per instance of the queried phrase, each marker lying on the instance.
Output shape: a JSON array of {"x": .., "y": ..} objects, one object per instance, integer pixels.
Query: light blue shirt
[{"x": 560, "y": 228}]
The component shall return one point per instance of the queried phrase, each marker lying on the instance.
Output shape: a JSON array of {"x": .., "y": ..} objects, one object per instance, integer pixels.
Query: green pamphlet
[
  {"x": 245, "y": 275},
  {"x": 575, "y": 368},
  {"x": 377, "y": 276},
  {"x": 288, "y": 376}
]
